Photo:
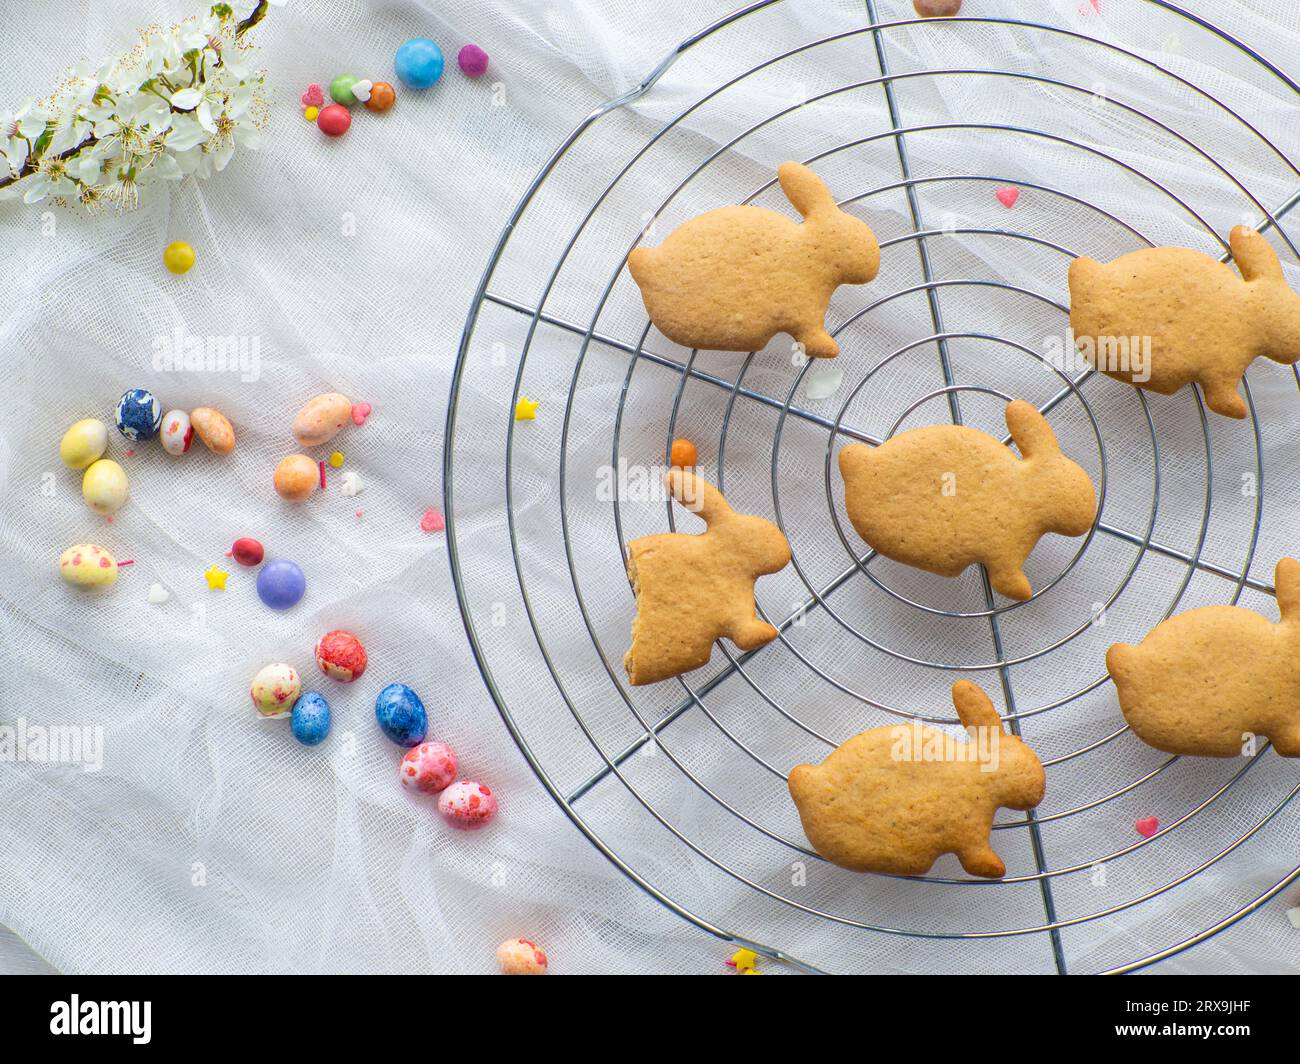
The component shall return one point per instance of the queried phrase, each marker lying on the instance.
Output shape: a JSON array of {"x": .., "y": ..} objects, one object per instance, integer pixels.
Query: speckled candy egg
[
  {"x": 177, "y": 433},
  {"x": 321, "y": 419},
  {"x": 340, "y": 655},
  {"x": 401, "y": 715},
  {"x": 83, "y": 443},
  {"x": 104, "y": 487},
  {"x": 467, "y": 805},
  {"x": 139, "y": 415},
  {"x": 88, "y": 565},
  {"x": 275, "y": 690},
  {"x": 296, "y": 477},
  {"x": 311, "y": 718},
  {"x": 214, "y": 429},
  {"x": 428, "y": 768},
  {"x": 518, "y": 956}
]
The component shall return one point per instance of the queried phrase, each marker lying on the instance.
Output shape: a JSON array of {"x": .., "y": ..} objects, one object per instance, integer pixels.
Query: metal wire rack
[{"x": 681, "y": 785}]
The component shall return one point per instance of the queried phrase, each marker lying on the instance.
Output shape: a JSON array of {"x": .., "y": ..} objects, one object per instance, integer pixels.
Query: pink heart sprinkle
[
  {"x": 360, "y": 411},
  {"x": 360, "y": 513},
  {"x": 1008, "y": 196},
  {"x": 314, "y": 96},
  {"x": 130, "y": 451},
  {"x": 431, "y": 521},
  {"x": 1147, "y": 826}
]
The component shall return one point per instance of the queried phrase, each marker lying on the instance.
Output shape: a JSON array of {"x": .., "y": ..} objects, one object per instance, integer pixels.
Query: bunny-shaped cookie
[
  {"x": 693, "y": 589},
  {"x": 945, "y": 496},
  {"x": 894, "y": 798},
  {"x": 1205, "y": 681},
  {"x": 734, "y": 277},
  {"x": 1202, "y": 321}
]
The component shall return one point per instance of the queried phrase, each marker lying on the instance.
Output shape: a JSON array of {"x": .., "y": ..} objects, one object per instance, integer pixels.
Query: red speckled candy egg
[
  {"x": 340, "y": 655},
  {"x": 247, "y": 551},
  {"x": 518, "y": 956},
  {"x": 428, "y": 768},
  {"x": 467, "y": 805}
]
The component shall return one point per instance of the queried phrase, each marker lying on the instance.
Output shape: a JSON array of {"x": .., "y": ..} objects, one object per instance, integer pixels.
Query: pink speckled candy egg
[
  {"x": 518, "y": 956},
  {"x": 275, "y": 689},
  {"x": 341, "y": 656},
  {"x": 429, "y": 767},
  {"x": 467, "y": 805}
]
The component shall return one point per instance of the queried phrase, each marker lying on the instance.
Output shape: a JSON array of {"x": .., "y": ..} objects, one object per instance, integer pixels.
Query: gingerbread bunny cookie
[
  {"x": 693, "y": 589},
  {"x": 1207, "y": 680},
  {"x": 733, "y": 278},
  {"x": 945, "y": 496},
  {"x": 1165, "y": 317},
  {"x": 894, "y": 798}
]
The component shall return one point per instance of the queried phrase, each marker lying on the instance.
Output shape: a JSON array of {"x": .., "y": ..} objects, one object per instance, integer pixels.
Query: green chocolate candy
[{"x": 341, "y": 89}]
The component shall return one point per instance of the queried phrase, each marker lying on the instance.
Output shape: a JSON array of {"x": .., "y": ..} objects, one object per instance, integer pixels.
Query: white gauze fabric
[{"x": 211, "y": 841}]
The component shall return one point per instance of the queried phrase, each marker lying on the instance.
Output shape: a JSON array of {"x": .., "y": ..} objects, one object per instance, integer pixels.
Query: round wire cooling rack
[{"x": 682, "y": 784}]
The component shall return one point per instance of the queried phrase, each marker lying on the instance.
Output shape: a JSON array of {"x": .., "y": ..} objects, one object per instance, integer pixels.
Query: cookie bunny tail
[
  {"x": 974, "y": 708},
  {"x": 697, "y": 495},
  {"x": 1030, "y": 430},
  {"x": 806, "y": 191},
  {"x": 1286, "y": 579}
]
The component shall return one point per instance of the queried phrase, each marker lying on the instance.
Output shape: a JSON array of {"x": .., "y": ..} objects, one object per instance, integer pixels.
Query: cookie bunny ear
[
  {"x": 1255, "y": 258},
  {"x": 1286, "y": 579},
  {"x": 1030, "y": 430},
  {"x": 697, "y": 495},
  {"x": 804, "y": 189},
  {"x": 974, "y": 707}
]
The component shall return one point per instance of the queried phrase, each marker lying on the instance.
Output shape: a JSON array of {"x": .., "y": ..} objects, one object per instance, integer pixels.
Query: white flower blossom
[{"x": 178, "y": 104}]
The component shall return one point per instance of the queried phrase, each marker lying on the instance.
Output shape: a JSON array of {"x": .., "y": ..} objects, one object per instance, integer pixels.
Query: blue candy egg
[
  {"x": 311, "y": 718},
  {"x": 401, "y": 715},
  {"x": 280, "y": 584},
  {"x": 418, "y": 63},
  {"x": 139, "y": 414}
]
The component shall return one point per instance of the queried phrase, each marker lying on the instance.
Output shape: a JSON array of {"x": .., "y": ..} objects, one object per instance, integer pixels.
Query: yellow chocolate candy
[
  {"x": 88, "y": 565},
  {"x": 104, "y": 486},
  {"x": 85, "y": 442},
  {"x": 178, "y": 257}
]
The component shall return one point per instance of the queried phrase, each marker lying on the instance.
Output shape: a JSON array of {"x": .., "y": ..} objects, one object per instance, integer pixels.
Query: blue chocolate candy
[
  {"x": 418, "y": 63},
  {"x": 139, "y": 415},
  {"x": 401, "y": 715},
  {"x": 281, "y": 584},
  {"x": 311, "y": 718}
]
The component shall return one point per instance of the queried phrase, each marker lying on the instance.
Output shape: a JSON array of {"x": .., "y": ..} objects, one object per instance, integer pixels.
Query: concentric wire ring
[{"x": 655, "y": 729}]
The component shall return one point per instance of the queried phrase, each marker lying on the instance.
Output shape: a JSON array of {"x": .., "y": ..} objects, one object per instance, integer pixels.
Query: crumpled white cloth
[{"x": 211, "y": 841}]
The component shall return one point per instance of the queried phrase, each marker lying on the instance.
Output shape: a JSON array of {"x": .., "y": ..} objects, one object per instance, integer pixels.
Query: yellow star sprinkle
[
  {"x": 336, "y": 459},
  {"x": 216, "y": 578},
  {"x": 311, "y": 114},
  {"x": 744, "y": 960},
  {"x": 750, "y": 971},
  {"x": 526, "y": 409}
]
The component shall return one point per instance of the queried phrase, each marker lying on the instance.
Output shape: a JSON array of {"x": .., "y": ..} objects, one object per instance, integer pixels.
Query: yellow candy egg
[
  {"x": 275, "y": 689},
  {"x": 88, "y": 565},
  {"x": 104, "y": 486},
  {"x": 82, "y": 444},
  {"x": 178, "y": 256}
]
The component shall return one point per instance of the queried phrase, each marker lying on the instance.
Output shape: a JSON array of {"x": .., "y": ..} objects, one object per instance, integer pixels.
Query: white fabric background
[{"x": 354, "y": 262}]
